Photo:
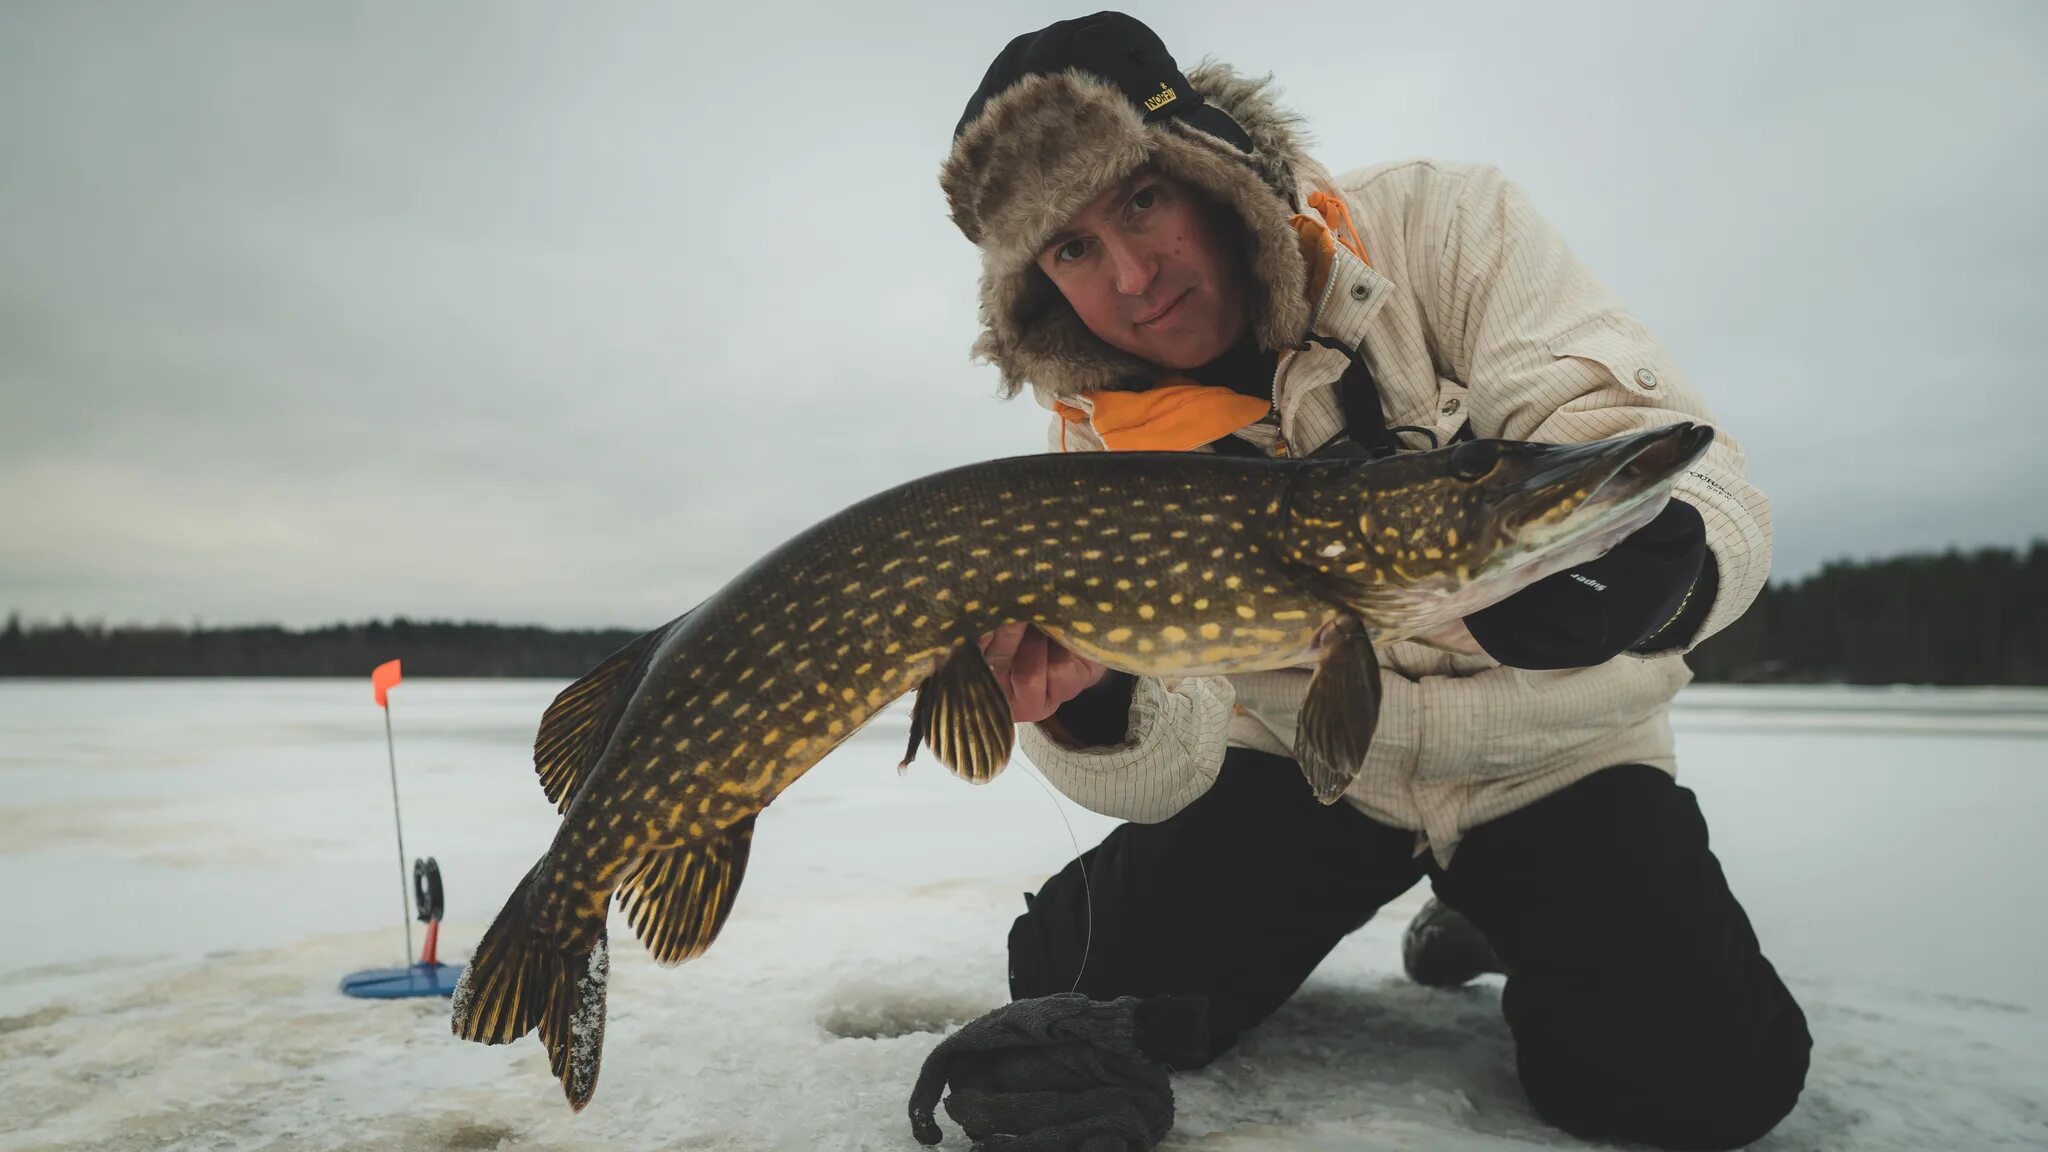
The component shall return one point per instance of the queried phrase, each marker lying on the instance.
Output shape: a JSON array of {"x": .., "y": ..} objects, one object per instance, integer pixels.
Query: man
[{"x": 1167, "y": 269}]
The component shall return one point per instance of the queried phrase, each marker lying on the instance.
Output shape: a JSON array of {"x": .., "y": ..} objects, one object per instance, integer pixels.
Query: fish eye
[{"x": 1473, "y": 459}]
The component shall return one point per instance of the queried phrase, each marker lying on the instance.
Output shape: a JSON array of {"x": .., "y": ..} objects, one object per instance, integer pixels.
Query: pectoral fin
[
  {"x": 1342, "y": 708},
  {"x": 962, "y": 715}
]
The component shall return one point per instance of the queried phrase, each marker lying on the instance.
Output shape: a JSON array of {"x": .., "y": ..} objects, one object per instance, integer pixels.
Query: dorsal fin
[{"x": 579, "y": 723}]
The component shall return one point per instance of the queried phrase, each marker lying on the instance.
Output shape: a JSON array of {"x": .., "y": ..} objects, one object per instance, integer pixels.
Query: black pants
[{"x": 1640, "y": 1003}]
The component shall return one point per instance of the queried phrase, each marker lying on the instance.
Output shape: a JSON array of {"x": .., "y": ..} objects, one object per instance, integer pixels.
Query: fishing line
[{"x": 1087, "y": 889}]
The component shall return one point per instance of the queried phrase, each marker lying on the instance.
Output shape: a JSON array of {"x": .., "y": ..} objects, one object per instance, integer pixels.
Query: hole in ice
[{"x": 878, "y": 1012}]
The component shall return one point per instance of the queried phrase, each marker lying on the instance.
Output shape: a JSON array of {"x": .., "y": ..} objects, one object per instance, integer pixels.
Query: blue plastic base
[{"x": 402, "y": 983}]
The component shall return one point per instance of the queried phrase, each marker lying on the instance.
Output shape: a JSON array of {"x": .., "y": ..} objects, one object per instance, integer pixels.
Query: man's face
[{"x": 1153, "y": 269}]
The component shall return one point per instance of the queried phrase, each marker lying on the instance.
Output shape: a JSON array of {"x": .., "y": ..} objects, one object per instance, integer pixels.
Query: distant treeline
[
  {"x": 1956, "y": 618},
  {"x": 427, "y": 648}
]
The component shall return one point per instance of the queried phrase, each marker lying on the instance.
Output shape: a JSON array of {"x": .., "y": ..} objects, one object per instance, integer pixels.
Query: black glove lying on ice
[{"x": 1063, "y": 1073}]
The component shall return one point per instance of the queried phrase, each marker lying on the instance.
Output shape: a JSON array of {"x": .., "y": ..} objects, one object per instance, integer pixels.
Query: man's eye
[
  {"x": 1071, "y": 251},
  {"x": 1146, "y": 198}
]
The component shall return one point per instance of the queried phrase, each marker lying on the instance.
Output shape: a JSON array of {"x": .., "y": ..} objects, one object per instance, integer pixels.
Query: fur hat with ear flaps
[{"x": 1031, "y": 153}]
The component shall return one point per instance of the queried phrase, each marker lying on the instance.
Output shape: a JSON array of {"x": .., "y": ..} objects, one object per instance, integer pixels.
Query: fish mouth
[{"x": 1626, "y": 481}]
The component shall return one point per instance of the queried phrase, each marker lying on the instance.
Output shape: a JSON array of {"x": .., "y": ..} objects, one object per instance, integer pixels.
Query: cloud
[{"x": 503, "y": 312}]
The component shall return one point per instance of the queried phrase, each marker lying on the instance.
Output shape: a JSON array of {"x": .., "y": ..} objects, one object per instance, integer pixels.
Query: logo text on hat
[{"x": 1164, "y": 97}]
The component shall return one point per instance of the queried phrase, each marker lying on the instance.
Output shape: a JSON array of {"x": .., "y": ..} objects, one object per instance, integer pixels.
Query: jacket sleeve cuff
[
  {"x": 1176, "y": 732},
  {"x": 1590, "y": 614}
]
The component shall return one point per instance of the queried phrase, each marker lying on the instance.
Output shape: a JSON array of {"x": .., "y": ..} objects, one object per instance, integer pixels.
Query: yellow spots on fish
[
  {"x": 894, "y": 647},
  {"x": 970, "y": 574},
  {"x": 913, "y": 582},
  {"x": 1173, "y": 634},
  {"x": 1098, "y": 511},
  {"x": 810, "y": 716},
  {"x": 899, "y": 609},
  {"x": 1391, "y": 531},
  {"x": 1222, "y": 652},
  {"x": 1040, "y": 566},
  {"x": 902, "y": 535},
  {"x": 1091, "y": 554},
  {"x": 978, "y": 553},
  {"x": 862, "y": 669},
  {"x": 1211, "y": 631},
  {"x": 1290, "y": 614},
  {"x": 971, "y": 606},
  {"x": 1262, "y": 635},
  {"x": 848, "y": 695},
  {"x": 1217, "y": 553},
  {"x": 943, "y": 594},
  {"x": 1104, "y": 606},
  {"x": 850, "y": 589},
  {"x": 1179, "y": 568},
  {"x": 771, "y": 737},
  {"x": 835, "y": 728},
  {"x": 816, "y": 624},
  {"x": 1207, "y": 517},
  {"x": 942, "y": 565},
  {"x": 1145, "y": 612},
  {"x": 1246, "y": 611},
  {"x": 1091, "y": 581},
  {"x": 1123, "y": 585},
  {"x": 824, "y": 689},
  {"x": 1451, "y": 537},
  {"x": 719, "y": 699},
  {"x": 889, "y": 673},
  {"x": 917, "y": 623},
  {"x": 649, "y": 793},
  {"x": 1432, "y": 553},
  {"x": 682, "y": 745},
  {"x": 1118, "y": 635},
  {"x": 1178, "y": 534},
  {"x": 1231, "y": 582},
  {"x": 801, "y": 665},
  {"x": 877, "y": 698},
  {"x": 1021, "y": 550},
  {"x": 1005, "y": 577},
  {"x": 1028, "y": 598},
  {"x": 746, "y": 674},
  {"x": 1151, "y": 583},
  {"x": 1174, "y": 598},
  {"x": 942, "y": 541},
  {"x": 797, "y": 745},
  {"x": 1140, "y": 537},
  {"x": 1357, "y": 567},
  {"x": 743, "y": 709}
]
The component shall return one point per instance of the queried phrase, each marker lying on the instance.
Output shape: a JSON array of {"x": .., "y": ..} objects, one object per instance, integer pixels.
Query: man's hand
[
  {"x": 1063, "y": 1073},
  {"x": 1037, "y": 674},
  {"x": 1454, "y": 638}
]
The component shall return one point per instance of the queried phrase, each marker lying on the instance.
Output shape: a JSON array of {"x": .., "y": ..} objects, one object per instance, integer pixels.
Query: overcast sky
[{"x": 565, "y": 313}]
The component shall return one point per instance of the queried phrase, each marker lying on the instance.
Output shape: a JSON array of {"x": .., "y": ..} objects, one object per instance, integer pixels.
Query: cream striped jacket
[{"x": 1472, "y": 309}]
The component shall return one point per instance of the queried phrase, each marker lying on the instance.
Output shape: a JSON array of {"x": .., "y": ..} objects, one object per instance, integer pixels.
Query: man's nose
[{"x": 1135, "y": 266}]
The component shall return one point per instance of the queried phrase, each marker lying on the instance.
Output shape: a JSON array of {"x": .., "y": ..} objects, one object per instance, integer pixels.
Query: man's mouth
[{"x": 1163, "y": 313}]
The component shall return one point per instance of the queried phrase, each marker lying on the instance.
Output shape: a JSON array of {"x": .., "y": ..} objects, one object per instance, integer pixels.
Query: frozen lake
[{"x": 186, "y": 868}]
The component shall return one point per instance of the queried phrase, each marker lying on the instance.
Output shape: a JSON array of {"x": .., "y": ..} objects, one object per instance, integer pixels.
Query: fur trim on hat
[{"x": 1047, "y": 145}]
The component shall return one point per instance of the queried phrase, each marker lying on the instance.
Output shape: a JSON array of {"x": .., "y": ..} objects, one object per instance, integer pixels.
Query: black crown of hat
[{"x": 1121, "y": 50}]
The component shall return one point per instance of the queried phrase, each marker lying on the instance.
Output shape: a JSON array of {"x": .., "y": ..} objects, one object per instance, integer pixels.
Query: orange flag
[{"x": 383, "y": 680}]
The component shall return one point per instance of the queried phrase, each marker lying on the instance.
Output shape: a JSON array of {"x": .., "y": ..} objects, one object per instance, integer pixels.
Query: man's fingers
[
  {"x": 1000, "y": 646},
  {"x": 1027, "y": 679}
]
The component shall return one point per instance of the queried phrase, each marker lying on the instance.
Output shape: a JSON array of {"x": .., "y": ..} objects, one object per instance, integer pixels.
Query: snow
[{"x": 189, "y": 867}]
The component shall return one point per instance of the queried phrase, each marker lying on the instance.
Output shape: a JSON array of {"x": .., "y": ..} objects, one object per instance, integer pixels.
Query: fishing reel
[{"x": 427, "y": 896}]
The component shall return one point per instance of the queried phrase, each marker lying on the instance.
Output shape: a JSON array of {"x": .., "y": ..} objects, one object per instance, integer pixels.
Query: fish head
[{"x": 1416, "y": 541}]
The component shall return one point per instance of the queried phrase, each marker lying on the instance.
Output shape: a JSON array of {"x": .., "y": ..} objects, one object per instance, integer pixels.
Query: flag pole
[{"x": 404, "y": 900}]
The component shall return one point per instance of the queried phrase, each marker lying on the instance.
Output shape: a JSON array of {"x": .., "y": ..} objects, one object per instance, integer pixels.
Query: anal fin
[
  {"x": 1340, "y": 712},
  {"x": 677, "y": 898},
  {"x": 962, "y": 714},
  {"x": 578, "y": 725}
]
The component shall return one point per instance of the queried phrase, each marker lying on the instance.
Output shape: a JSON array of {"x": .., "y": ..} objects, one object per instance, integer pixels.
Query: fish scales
[{"x": 1154, "y": 565}]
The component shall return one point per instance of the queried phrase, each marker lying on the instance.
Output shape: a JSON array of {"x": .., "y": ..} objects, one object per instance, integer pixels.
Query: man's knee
[{"x": 1714, "y": 1084}]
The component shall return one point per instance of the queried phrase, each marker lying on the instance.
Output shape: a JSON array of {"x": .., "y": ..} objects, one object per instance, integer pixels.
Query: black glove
[
  {"x": 1063, "y": 1073},
  {"x": 1648, "y": 593}
]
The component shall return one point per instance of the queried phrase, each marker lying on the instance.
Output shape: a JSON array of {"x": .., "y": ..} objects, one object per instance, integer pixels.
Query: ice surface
[{"x": 189, "y": 867}]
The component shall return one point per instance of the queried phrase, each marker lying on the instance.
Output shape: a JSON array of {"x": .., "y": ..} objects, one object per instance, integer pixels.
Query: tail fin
[{"x": 519, "y": 980}]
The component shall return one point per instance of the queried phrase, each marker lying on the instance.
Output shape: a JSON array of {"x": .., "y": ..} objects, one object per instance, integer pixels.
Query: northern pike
[{"x": 1158, "y": 564}]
